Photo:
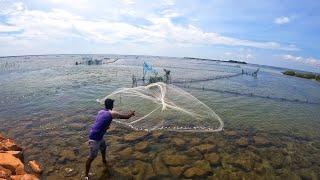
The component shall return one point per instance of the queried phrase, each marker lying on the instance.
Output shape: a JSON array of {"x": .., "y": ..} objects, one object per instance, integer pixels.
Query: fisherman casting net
[{"x": 163, "y": 106}]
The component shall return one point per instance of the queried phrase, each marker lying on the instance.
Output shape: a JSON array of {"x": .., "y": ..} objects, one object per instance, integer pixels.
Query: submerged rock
[
  {"x": 194, "y": 153},
  {"x": 301, "y": 161},
  {"x": 77, "y": 126},
  {"x": 288, "y": 174},
  {"x": 126, "y": 153},
  {"x": 262, "y": 168},
  {"x": 201, "y": 168},
  {"x": 123, "y": 172},
  {"x": 142, "y": 170},
  {"x": 139, "y": 156},
  {"x": 194, "y": 172},
  {"x": 244, "y": 161},
  {"x": 159, "y": 167},
  {"x": 68, "y": 155},
  {"x": 222, "y": 173},
  {"x": 157, "y": 134},
  {"x": 316, "y": 144},
  {"x": 112, "y": 129},
  {"x": 204, "y": 165},
  {"x": 175, "y": 160},
  {"x": 176, "y": 171},
  {"x": 116, "y": 147},
  {"x": 136, "y": 135},
  {"x": 213, "y": 158},
  {"x": 142, "y": 146},
  {"x": 275, "y": 157},
  {"x": 143, "y": 156},
  {"x": 231, "y": 134},
  {"x": 242, "y": 142},
  {"x": 205, "y": 148},
  {"x": 307, "y": 174},
  {"x": 178, "y": 141},
  {"x": 114, "y": 138},
  {"x": 261, "y": 141},
  {"x": 194, "y": 141}
]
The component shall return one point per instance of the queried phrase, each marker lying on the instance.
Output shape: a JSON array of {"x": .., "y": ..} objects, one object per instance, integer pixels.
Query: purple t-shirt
[{"x": 103, "y": 121}]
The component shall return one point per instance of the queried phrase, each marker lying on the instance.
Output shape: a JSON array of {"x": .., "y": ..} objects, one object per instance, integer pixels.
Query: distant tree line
[{"x": 303, "y": 75}]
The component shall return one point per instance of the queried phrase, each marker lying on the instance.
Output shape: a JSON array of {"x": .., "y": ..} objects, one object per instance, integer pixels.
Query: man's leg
[
  {"x": 93, "y": 152},
  {"x": 88, "y": 165},
  {"x": 103, "y": 148}
]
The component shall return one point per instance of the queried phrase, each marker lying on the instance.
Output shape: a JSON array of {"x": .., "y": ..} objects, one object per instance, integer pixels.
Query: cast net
[{"x": 164, "y": 106}]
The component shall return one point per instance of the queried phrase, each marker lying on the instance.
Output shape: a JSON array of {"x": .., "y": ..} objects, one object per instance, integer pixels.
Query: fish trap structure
[
  {"x": 193, "y": 83},
  {"x": 153, "y": 78},
  {"x": 91, "y": 61}
]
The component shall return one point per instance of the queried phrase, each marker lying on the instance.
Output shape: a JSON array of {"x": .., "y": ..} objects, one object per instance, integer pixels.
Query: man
[{"x": 102, "y": 123}]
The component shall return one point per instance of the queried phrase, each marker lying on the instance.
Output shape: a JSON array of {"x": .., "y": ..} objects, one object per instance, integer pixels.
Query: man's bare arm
[{"x": 117, "y": 115}]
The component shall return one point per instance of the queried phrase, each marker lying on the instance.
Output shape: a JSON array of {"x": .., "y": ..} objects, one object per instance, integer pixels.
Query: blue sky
[{"x": 279, "y": 33}]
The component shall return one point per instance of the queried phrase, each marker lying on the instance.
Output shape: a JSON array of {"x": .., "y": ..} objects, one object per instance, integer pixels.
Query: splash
[{"x": 162, "y": 106}]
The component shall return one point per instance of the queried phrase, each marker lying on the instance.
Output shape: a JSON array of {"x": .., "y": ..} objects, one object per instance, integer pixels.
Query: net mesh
[{"x": 163, "y": 106}]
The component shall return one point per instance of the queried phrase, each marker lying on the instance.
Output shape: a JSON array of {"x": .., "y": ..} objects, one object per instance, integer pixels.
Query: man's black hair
[{"x": 108, "y": 103}]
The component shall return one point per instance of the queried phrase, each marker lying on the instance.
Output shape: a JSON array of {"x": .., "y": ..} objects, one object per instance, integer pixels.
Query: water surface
[{"x": 48, "y": 104}]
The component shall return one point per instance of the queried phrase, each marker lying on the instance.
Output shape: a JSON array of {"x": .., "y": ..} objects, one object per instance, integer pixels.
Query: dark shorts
[{"x": 95, "y": 146}]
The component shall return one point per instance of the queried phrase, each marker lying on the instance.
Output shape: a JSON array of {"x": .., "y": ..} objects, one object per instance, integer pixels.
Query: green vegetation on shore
[{"x": 303, "y": 75}]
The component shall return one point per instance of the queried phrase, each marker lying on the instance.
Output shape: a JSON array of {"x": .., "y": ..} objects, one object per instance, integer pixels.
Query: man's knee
[{"x": 93, "y": 154}]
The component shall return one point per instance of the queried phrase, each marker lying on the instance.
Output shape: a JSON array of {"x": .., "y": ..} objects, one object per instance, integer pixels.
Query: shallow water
[{"x": 48, "y": 104}]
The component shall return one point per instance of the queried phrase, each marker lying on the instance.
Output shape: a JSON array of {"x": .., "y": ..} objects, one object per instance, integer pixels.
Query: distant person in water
[{"x": 102, "y": 123}]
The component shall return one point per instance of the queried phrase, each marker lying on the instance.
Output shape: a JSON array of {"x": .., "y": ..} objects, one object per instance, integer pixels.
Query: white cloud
[
  {"x": 169, "y": 2},
  {"x": 240, "y": 55},
  {"x": 7, "y": 28},
  {"x": 79, "y": 4},
  {"x": 57, "y": 25},
  {"x": 128, "y": 2},
  {"x": 168, "y": 13},
  {"x": 249, "y": 56},
  {"x": 310, "y": 61},
  {"x": 11, "y": 8},
  {"x": 282, "y": 20},
  {"x": 228, "y": 53}
]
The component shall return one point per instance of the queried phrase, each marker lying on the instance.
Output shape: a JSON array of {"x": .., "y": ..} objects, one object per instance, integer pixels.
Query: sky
[{"x": 277, "y": 33}]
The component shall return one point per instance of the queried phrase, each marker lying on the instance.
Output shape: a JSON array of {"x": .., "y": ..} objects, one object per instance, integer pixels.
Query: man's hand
[
  {"x": 132, "y": 113},
  {"x": 116, "y": 115}
]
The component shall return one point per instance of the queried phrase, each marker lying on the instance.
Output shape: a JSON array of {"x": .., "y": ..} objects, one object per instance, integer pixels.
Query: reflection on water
[{"x": 48, "y": 105}]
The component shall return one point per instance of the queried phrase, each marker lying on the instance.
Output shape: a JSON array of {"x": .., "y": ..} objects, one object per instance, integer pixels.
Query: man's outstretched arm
[{"x": 117, "y": 115}]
